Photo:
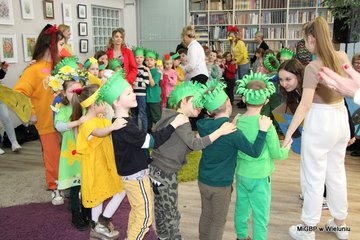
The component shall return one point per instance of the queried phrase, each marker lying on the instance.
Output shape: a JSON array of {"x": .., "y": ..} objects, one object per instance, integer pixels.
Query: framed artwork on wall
[
  {"x": 27, "y": 9},
  {"x": 66, "y": 8},
  {"x": 8, "y": 51},
  {"x": 6, "y": 12},
  {"x": 81, "y": 11},
  {"x": 83, "y": 31},
  {"x": 49, "y": 9},
  {"x": 84, "y": 45},
  {"x": 29, "y": 41}
]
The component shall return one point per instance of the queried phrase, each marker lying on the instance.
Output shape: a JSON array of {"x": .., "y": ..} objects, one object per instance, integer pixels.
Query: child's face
[
  {"x": 176, "y": 62},
  {"x": 69, "y": 91},
  {"x": 218, "y": 61},
  {"x": 257, "y": 55},
  {"x": 188, "y": 109},
  {"x": 288, "y": 80},
  {"x": 104, "y": 59},
  {"x": 60, "y": 45},
  {"x": 139, "y": 60},
  {"x": 183, "y": 58},
  {"x": 94, "y": 69},
  {"x": 168, "y": 64},
  {"x": 212, "y": 57},
  {"x": 100, "y": 108},
  {"x": 127, "y": 99},
  {"x": 150, "y": 62},
  {"x": 228, "y": 57}
]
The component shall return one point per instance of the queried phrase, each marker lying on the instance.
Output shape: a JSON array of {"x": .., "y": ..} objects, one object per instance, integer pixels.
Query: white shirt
[
  {"x": 195, "y": 60},
  {"x": 357, "y": 97}
]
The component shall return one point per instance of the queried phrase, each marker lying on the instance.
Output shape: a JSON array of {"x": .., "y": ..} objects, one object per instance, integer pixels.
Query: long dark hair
[
  {"x": 295, "y": 67},
  {"x": 86, "y": 92}
]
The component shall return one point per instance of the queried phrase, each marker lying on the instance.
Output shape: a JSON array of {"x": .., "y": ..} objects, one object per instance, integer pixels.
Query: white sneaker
[
  {"x": 56, "y": 198},
  {"x": 16, "y": 147},
  {"x": 302, "y": 232},
  {"x": 341, "y": 232},
  {"x": 1, "y": 151}
]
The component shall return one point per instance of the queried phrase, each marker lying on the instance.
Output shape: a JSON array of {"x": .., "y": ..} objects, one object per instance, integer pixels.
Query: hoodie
[{"x": 171, "y": 156}]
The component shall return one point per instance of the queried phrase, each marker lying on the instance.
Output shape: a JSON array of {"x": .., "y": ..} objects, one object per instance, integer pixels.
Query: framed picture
[
  {"x": 27, "y": 9},
  {"x": 8, "y": 51},
  {"x": 66, "y": 8},
  {"x": 81, "y": 11},
  {"x": 83, "y": 29},
  {"x": 29, "y": 41},
  {"x": 49, "y": 9},
  {"x": 6, "y": 12},
  {"x": 84, "y": 45}
]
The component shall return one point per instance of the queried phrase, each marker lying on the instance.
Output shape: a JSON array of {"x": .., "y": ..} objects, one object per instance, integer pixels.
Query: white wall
[{"x": 34, "y": 26}]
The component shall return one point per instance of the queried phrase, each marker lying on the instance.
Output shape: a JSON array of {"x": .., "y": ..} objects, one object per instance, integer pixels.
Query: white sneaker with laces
[
  {"x": 302, "y": 232},
  {"x": 16, "y": 147},
  {"x": 341, "y": 232},
  {"x": 57, "y": 198},
  {"x": 1, "y": 151}
]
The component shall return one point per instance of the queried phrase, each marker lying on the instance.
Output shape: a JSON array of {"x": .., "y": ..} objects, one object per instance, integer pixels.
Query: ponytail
[{"x": 78, "y": 97}]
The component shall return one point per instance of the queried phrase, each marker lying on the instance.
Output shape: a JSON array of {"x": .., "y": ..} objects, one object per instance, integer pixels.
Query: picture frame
[
  {"x": 29, "y": 41},
  {"x": 49, "y": 12},
  {"x": 6, "y": 13},
  {"x": 8, "y": 50},
  {"x": 81, "y": 11},
  {"x": 66, "y": 11},
  {"x": 84, "y": 46},
  {"x": 83, "y": 30},
  {"x": 27, "y": 9}
]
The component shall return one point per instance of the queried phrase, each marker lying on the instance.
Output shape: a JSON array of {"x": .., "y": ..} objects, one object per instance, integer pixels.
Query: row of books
[
  {"x": 247, "y": 4},
  {"x": 301, "y": 16},
  {"x": 275, "y": 45},
  {"x": 221, "y": 4},
  {"x": 274, "y": 32},
  {"x": 248, "y": 33},
  {"x": 222, "y": 46},
  {"x": 199, "y": 19},
  {"x": 247, "y": 18},
  {"x": 274, "y": 17},
  {"x": 220, "y": 18},
  {"x": 302, "y": 3},
  {"x": 273, "y": 3},
  {"x": 198, "y": 5},
  {"x": 327, "y": 15},
  {"x": 218, "y": 32}
]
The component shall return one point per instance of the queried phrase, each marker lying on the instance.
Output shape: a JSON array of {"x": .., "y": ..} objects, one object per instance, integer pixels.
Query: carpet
[{"x": 43, "y": 221}]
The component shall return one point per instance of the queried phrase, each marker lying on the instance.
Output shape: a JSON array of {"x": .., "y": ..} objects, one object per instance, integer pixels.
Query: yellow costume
[{"x": 99, "y": 177}]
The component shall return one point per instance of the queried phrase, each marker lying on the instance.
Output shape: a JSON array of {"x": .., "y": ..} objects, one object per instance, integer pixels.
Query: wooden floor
[{"x": 15, "y": 170}]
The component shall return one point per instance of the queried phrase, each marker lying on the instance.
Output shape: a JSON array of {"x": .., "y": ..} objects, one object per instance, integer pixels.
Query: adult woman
[
  {"x": 239, "y": 52},
  {"x": 32, "y": 83},
  {"x": 323, "y": 145},
  {"x": 118, "y": 49},
  {"x": 101, "y": 56},
  {"x": 65, "y": 29}
]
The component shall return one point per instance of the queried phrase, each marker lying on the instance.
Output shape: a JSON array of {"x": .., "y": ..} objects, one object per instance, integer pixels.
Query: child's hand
[
  {"x": 119, "y": 123},
  {"x": 264, "y": 123},
  {"x": 227, "y": 128},
  {"x": 288, "y": 145},
  {"x": 83, "y": 119},
  {"x": 179, "y": 120},
  {"x": 351, "y": 141}
]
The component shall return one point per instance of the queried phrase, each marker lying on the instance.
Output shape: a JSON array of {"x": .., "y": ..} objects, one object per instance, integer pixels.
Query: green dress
[{"x": 69, "y": 165}]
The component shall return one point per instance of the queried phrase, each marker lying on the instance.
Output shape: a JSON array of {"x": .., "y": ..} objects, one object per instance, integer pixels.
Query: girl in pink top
[{"x": 169, "y": 79}]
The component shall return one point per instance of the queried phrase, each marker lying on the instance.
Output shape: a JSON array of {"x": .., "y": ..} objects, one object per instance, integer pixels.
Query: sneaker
[
  {"x": 1, "y": 151},
  {"x": 301, "y": 232},
  {"x": 103, "y": 232},
  {"x": 324, "y": 205},
  {"x": 57, "y": 198},
  {"x": 341, "y": 232},
  {"x": 16, "y": 147},
  {"x": 78, "y": 222}
]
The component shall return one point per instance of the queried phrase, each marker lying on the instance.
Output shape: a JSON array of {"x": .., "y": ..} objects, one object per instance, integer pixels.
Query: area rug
[{"x": 43, "y": 221}]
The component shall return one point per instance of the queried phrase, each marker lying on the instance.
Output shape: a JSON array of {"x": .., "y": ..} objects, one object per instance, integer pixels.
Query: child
[
  {"x": 169, "y": 79},
  {"x": 130, "y": 144},
  {"x": 253, "y": 188},
  {"x": 101, "y": 74},
  {"x": 171, "y": 156},
  {"x": 92, "y": 66},
  {"x": 183, "y": 55},
  {"x": 218, "y": 161},
  {"x": 142, "y": 81},
  {"x": 115, "y": 64},
  {"x": 259, "y": 59},
  {"x": 177, "y": 67},
  {"x": 101, "y": 56},
  {"x": 286, "y": 54},
  {"x": 99, "y": 179},
  {"x": 229, "y": 76},
  {"x": 153, "y": 93}
]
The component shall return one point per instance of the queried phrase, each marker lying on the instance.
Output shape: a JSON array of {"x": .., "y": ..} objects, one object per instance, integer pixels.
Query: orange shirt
[{"x": 32, "y": 83}]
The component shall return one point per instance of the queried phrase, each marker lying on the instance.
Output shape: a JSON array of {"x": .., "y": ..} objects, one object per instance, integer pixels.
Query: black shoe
[
  {"x": 78, "y": 222},
  {"x": 355, "y": 153}
]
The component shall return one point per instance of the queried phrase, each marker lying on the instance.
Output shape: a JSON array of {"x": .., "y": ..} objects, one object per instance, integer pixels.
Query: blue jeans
[
  {"x": 242, "y": 70},
  {"x": 140, "y": 109}
]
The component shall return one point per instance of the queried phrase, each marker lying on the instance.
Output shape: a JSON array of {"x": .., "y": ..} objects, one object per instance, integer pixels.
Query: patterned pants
[{"x": 167, "y": 216}]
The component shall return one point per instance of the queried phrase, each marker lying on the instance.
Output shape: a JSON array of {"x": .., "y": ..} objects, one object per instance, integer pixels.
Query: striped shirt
[{"x": 141, "y": 81}]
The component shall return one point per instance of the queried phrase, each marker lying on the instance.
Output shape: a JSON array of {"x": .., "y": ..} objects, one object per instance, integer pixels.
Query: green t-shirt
[{"x": 153, "y": 93}]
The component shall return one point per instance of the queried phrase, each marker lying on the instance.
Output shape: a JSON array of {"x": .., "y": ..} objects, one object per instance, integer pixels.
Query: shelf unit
[{"x": 280, "y": 20}]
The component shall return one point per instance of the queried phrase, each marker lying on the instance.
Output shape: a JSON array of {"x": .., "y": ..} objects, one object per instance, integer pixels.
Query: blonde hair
[
  {"x": 114, "y": 32},
  {"x": 319, "y": 29},
  {"x": 188, "y": 31},
  {"x": 63, "y": 27}
]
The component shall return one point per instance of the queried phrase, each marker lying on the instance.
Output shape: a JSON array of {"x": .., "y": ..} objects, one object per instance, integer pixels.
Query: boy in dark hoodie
[
  {"x": 218, "y": 161},
  {"x": 171, "y": 156}
]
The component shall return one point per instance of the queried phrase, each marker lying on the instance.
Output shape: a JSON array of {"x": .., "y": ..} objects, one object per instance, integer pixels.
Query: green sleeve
[
  {"x": 276, "y": 152},
  {"x": 242, "y": 143}
]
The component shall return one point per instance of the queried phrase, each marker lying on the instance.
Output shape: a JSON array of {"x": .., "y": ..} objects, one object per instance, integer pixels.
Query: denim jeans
[
  {"x": 140, "y": 109},
  {"x": 242, "y": 70}
]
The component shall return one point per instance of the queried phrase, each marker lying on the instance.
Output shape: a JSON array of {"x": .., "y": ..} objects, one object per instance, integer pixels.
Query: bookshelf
[{"x": 280, "y": 20}]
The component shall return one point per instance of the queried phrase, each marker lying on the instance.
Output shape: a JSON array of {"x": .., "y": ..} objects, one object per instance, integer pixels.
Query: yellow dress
[{"x": 99, "y": 177}]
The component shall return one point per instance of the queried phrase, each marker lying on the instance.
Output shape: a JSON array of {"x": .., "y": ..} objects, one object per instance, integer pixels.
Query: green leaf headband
[
  {"x": 186, "y": 89},
  {"x": 68, "y": 61},
  {"x": 114, "y": 63},
  {"x": 113, "y": 87},
  {"x": 151, "y": 54},
  {"x": 286, "y": 53},
  {"x": 268, "y": 65},
  {"x": 213, "y": 95},
  {"x": 255, "y": 96},
  {"x": 139, "y": 51}
]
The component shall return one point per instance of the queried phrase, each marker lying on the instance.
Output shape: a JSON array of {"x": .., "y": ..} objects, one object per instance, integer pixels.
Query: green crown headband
[
  {"x": 68, "y": 61},
  {"x": 286, "y": 53},
  {"x": 113, "y": 87},
  {"x": 139, "y": 51},
  {"x": 151, "y": 54},
  {"x": 114, "y": 63},
  {"x": 268, "y": 65},
  {"x": 186, "y": 89},
  {"x": 89, "y": 61},
  {"x": 213, "y": 95},
  {"x": 101, "y": 67},
  {"x": 255, "y": 96},
  {"x": 175, "y": 56}
]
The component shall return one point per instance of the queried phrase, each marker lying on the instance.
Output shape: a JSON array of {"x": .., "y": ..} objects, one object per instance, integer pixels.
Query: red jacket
[
  {"x": 230, "y": 70},
  {"x": 130, "y": 67}
]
